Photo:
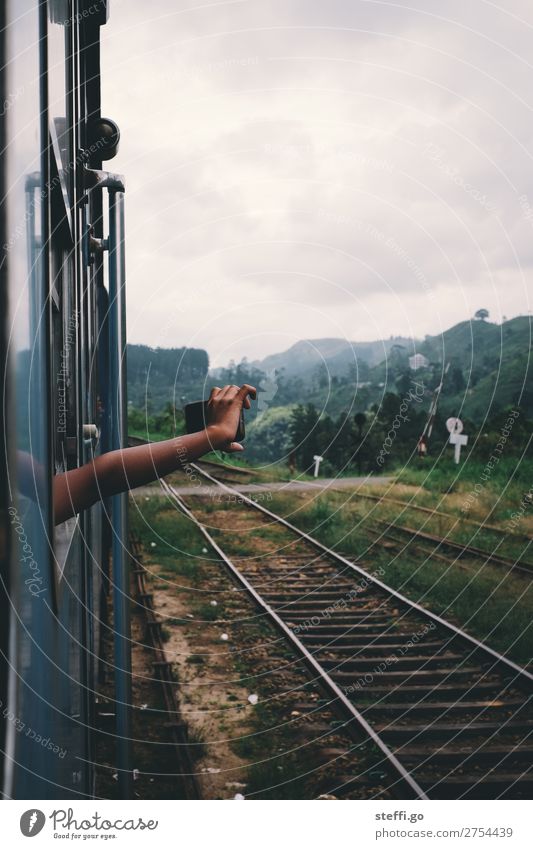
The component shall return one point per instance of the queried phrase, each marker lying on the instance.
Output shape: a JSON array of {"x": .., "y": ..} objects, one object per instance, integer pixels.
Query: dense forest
[
  {"x": 387, "y": 436},
  {"x": 342, "y": 407},
  {"x": 159, "y": 376}
]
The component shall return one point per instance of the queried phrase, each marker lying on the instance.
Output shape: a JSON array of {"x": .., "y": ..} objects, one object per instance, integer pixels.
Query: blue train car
[{"x": 62, "y": 346}]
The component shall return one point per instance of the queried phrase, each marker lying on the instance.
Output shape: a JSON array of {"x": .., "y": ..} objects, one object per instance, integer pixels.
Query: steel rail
[
  {"x": 482, "y": 526},
  {"x": 525, "y": 677},
  {"x": 325, "y": 678},
  {"x": 463, "y": 548}
]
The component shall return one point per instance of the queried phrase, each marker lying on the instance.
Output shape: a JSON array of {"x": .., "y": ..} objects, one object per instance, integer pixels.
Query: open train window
[
  {"x": 64, "y": 335},
  {"x": 64, "y": 352}
]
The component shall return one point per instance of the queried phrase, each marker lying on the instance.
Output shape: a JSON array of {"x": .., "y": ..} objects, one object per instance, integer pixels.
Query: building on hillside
[{"x": 418, "y": 361}]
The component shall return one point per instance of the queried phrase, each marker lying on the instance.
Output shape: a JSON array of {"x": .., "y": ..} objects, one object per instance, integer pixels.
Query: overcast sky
[{"x": 302, "y": 169}]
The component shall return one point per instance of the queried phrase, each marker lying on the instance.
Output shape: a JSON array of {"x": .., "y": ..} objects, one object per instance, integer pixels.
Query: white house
[{"x": 418, "y": 361}]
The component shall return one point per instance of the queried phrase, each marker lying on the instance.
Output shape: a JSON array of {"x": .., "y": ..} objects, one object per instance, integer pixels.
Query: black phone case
[{"x": 196, "y": 419}]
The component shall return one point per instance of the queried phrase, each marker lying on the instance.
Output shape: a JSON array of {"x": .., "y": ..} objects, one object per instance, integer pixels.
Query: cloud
[{"x": 307, "y": 169}]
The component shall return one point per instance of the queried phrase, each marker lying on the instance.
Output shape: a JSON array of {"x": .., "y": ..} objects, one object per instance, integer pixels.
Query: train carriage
[{"x": 62, "y": 343}]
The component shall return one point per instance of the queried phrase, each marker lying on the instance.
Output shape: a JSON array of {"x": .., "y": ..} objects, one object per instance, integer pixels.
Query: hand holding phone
[
  {"x": 222, "y": 416},
  {"x": 197, "y": 418}
]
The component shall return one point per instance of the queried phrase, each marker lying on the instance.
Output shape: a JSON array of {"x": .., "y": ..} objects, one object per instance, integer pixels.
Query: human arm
[{"x": 118, "y": 471}]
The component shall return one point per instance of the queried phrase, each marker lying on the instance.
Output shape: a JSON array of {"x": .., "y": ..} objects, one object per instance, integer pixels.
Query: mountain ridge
[
  {"x": 340, "y": 351},
  {"x": 490, "y": 370}
]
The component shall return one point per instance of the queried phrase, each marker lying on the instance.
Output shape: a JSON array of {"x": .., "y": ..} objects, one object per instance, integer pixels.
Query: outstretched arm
[{"x": 128, "y": 468}]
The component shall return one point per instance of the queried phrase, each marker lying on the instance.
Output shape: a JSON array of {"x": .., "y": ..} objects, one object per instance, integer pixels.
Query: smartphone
[{"x": 196, "y": 419}]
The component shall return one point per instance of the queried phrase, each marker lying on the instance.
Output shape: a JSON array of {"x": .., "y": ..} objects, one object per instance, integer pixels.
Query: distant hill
[
  {"x": 495, "y": 361},
  {"x": 479, "y": 344},
  {"x": 338, "y": 355},
  {"x": 490, "y": 370}
]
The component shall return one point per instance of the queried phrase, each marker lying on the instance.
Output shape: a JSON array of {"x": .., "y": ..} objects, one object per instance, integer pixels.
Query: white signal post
[
  {"x": 318, "y": 459},
  {"x": 457, "y": 438}
]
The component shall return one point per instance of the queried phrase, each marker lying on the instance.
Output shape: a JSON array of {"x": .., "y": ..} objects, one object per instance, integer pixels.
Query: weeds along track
[
  {"x": 451, "y": 717},
  {"x": 439, "y": 545},
  {"x": 433, "y": 512}
]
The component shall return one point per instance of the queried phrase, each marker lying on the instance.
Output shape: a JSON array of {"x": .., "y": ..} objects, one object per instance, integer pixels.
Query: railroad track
[
  {"x": 432, "y": 511},
  {"x": 441, "y": 544},
  {"x": 226, "y": 473},
  {"x": 436, "y": 545},
  {"x": 234, "y": 474},
  {"x": 451, "y": 717}
]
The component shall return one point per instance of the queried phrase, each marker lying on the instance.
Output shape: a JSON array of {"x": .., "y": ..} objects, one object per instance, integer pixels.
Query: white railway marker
[
  {"x": 318, "y": 459},
  {"x": 458, "y": 440}
]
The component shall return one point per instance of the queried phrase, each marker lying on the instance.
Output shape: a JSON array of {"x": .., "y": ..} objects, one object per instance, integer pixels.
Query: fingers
[
  {"x": 232, "y": 391},
  {"x": 246, "y": 390},
  {"x": 234, "y": 448},
  {"x": 229, "y": 391},
  {"x": 214, "y": 392}
]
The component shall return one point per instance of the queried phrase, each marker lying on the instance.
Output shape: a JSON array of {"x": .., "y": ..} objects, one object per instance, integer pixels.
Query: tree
[
  {"x": 359, "y": 421},
  {"x": 388, "y": 408},
  {"x": 269, "y": 439},
  {"x": 398, "y": 355},
  {"x": 404, "y": 380},
  {"x": 321, "y": 376},
  {"x": 310, "y": 434},
  {"x": 481, "y": 314},
  {"x": 456, "y": 379}
]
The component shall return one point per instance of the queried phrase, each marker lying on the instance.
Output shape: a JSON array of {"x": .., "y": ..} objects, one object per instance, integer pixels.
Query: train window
[
  {"x": 64, "y": 336},
  {"x": 64, "y": 348}
]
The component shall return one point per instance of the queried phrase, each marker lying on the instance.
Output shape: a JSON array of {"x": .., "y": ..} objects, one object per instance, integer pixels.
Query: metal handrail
[{"x": 119, "y": 503}]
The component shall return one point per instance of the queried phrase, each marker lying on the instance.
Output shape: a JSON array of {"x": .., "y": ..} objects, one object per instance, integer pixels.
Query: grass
[
  {"x": 166, "y": 634},
  {"x": 275, "y": 772},
  {"x": 179, "y": 547},
  {"x": 195, "y": 659},
  {"x": 452, "y": 527},
  {"x": 206, "y": 612},
  {"x": 490, "y": 492},
  {"x": 262, "y": 474},
  {"x": 485, "y": 600},
  {"x": 197, "y": 745}
]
